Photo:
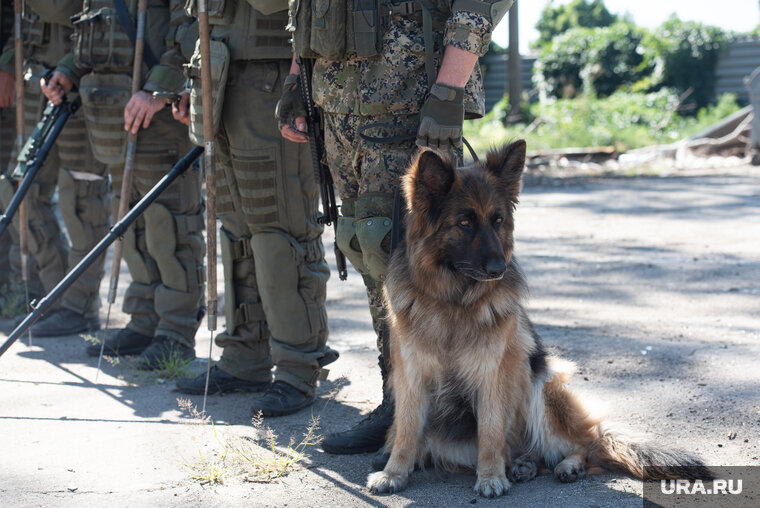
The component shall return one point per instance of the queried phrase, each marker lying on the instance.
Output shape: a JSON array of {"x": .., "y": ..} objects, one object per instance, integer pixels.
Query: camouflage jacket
[
  {"x": 167, "y": 31},
  {"x": 395, "y": 82}
]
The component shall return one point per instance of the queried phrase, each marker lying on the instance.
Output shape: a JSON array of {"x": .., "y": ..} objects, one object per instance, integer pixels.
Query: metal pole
[
  {"x": 210, "y": 169},
  {"x": 23, "y": 213},
  {"x": 514, "y": 67}
]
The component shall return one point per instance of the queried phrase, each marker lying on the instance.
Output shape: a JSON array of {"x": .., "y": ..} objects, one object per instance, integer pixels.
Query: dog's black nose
[{"x": 496, "y": 266}]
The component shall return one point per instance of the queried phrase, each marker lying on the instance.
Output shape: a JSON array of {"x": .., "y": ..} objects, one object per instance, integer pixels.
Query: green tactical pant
[
  {"x": 164, "y": 247},
  {"x": 274, "y": 266},
  {"x": 84, "y": 203},
  {"x": 10, "y": 261},
  {"x": 47, "y": 245}
]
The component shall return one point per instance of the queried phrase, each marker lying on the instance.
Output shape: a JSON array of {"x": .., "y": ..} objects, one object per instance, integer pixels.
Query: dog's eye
[{"x": 465, "y": 223}]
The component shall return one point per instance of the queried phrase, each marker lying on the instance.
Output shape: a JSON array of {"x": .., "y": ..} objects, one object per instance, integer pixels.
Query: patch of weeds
[
  {"x": 196, "y": 417},
  {"x": 171, "y": 367},
  {"x": 209, "y": 472},
  {"x": 263, "y": 460},
  {"x": 258, "y": 458}
]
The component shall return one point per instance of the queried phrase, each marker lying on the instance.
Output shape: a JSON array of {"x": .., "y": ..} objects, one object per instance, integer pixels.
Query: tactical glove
[
  {"x": 441, "y": 118},
  {"x": 290, "y": 106}
]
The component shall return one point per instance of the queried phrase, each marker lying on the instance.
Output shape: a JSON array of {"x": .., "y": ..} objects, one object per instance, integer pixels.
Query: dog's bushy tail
[{"x": 616, "y": 451}]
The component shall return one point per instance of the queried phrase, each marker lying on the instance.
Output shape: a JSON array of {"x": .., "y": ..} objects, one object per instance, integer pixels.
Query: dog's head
[{"x": 462, "y": 219}]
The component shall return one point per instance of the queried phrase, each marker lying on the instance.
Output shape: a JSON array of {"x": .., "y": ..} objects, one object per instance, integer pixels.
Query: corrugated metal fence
[{"x": 741, "y": 58}]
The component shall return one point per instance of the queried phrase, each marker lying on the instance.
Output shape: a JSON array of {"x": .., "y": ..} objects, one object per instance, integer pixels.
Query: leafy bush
[
  {"x": 592, "y": 59},
  {"x": 680, "y": 55},
  {"x": 578, "y": 13},
  {"x": 688, "y": 52},
  {"x": 625, "y": 120}
]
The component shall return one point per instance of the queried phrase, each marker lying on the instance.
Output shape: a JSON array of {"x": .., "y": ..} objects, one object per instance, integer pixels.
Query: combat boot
[
  {"x": 282, "y": 399},
  {"x": 219, "y": 381},
  {"x": 62, "y": 322},
  {"x": 126, "y": 342},
  {"x": 164, "y": 352},
  {"x": 369, "y": 434}
]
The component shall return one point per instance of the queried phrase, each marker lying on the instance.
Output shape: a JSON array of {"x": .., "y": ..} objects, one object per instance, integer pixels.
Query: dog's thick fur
[{"x": 472, "y": 383}]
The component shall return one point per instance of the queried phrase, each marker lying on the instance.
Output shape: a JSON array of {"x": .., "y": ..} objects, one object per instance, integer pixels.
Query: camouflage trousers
[
  {"x": 367, "y": 175},
  {"x": 164, "y": 247},
  {"x": 83, "y": 199},
  {"x": 274, "y": 267}
]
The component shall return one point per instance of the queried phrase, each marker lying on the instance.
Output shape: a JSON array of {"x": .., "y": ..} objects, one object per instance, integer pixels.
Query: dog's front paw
[
  {"x": 385, "y": 483},
  {"x": 493, "y": 486},
  {"x": 570, "y": 470},
  {"x": 523, "y": 469}
]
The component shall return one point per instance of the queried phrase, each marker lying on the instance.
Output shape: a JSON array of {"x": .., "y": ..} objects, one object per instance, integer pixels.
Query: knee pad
[
  {"x": 373, "y": 229},
  {"x": 175, "y": 243},
  {"x": 85, "y": 207}
]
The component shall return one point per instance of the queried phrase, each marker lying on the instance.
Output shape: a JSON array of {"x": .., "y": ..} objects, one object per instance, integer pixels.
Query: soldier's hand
[
  {"x": 6, "y": 89},
  {"x": 181, "y": 109},
  {"x": 441, "y": 118},
  {"x": 140, "y": 110},
  {"x": 56, "y": 87},
  {"x": 290, "y": 111}
]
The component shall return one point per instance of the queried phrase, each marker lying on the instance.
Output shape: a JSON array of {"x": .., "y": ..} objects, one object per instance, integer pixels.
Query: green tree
[{"x": 555, "y": 20}]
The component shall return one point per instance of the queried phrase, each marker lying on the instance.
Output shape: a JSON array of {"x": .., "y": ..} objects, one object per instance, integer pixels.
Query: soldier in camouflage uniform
[
  {"x": 82, "y": 181},
  {"x": 10, "y": 260},
  {"x": 405, "y": 85},
  {"x": 274, "y": 267},
  {"x": 164, "y": 248}
]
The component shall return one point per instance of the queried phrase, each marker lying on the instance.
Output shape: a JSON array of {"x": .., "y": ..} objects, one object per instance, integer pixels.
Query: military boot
[
  {"x": 126, "y": 342},
  {"x": 62, "y": 322},
  {"x": 282, "y": 399},
  {"x": 219, "y": 381},
  {"x": 369, "y": 434},
  {"x": 164, "y": 352}
]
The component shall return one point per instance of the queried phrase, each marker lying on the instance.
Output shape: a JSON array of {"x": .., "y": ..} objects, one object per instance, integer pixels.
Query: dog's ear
[
  {"x": 429, "y": 179},
  {"x": 507, "y": 164}
]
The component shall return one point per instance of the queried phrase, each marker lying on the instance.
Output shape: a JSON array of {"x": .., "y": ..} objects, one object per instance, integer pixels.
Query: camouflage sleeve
[
  {"x": 168, "y": 75},
  {"x": 67, "y": 66},
  {"x": 470, "y": 31}
]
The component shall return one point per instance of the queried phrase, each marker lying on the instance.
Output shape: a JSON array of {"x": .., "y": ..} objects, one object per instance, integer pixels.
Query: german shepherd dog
[{"x": 473, "y": 385}]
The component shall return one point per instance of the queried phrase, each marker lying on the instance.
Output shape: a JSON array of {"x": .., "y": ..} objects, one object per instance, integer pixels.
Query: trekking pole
[
  {"x": 23, "y": 213},
  {"x": 113, "y": 235},
  {"x": 129, "y": 165},
  {"x": 210, "y": 169}
]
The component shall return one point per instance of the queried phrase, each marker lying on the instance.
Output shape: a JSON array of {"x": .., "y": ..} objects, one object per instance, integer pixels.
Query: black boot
[
  {"x": 62, "y": 322},
  {"x": 219, "y": 381},
  {"x": 369, "y": 434},
  {"x": 126, "y": 342},
  {"x": 282, "y": 399},
  {"x": 164, "y": 352}
]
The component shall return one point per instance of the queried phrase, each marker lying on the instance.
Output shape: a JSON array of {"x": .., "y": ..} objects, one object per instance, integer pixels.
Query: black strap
[
  {"x": 125, "y": 20},
  {"x": 401, "y": 137}
]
